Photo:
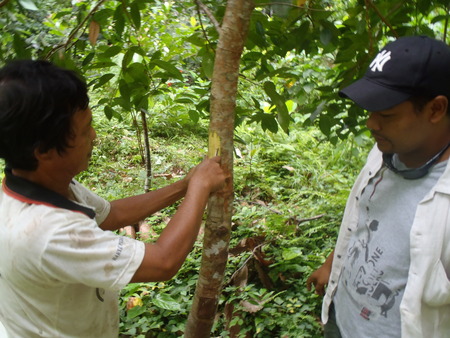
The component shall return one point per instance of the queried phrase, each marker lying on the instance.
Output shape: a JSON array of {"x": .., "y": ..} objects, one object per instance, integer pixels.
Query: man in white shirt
[
  {"x": 61, "y": 266},
  {"x": 388, "y": 274}
]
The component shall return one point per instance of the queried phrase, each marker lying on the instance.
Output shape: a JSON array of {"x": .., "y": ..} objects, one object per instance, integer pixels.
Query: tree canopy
[{"x": 157, "y": 56}]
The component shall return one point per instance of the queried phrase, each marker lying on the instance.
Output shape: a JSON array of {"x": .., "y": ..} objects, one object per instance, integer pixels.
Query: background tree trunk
[{"x": 218, "y": 225}]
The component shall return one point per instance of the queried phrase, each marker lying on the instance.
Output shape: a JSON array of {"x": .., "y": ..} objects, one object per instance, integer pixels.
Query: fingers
[
  {"x": 209, "y": 174},
  {"x": 315, "y": 279},
  {"x": 309, "y": 281},
  {"x": 318, "y": 288},
  {"x": 215, "y": 159}
]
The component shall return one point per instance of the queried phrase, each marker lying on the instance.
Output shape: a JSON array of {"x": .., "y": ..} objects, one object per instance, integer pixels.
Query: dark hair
[{"x": 37, "y": 102}]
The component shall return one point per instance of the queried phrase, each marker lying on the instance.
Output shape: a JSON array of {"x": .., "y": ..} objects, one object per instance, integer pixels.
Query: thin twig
[
  {"x": 210, "y": 15},
  {"x": 383, "y": 19},
  {"x": 3, "y": 3},
  {"x": 248, "y": 258},
  {"x": 446, "y": 24},
  {"x": 292, "y": 5}
]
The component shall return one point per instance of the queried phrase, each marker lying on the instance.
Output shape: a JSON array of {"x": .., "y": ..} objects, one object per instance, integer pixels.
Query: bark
[
  {"x": 148, "y": 162},
  {"x": 218, "y": 224}
]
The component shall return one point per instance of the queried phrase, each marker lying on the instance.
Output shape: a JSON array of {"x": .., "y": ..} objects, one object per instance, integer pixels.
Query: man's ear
[
  {"x": 438, "y": 107},
  {"x": 43, "y": 155}
]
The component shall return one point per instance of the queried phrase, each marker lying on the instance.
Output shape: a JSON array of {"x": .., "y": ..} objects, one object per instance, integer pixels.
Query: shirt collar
[{"x": 29, "y": 192}]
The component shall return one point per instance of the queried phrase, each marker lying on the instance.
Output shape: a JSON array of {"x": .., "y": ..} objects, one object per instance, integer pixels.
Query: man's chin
[{"x": 384, "y": 146}]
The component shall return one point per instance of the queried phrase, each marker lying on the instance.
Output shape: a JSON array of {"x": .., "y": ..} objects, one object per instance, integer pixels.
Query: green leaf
[
  {"x": 171, "y": 69},
  {"x": 28, "y": 4},
  {"x": 20, "y": 47},
  {"x": 326, "y": 36},
  {"x": 208, "y": 64},
  {"x": 111, "y": 51},
  {"x": 280, "y": 103},
  {"x": 268, "y": 122},
  {"x": 325, "y": 124},
  {"x": 156, "y": 55},
  {"x": 291, "y": 253},
  {"x": 88, "y": 59},
  {"x": 124, "y": 89},
  {"x": 109, "y": 112},
  {"x": 105, "y": 64},
  {"x": 119, "y": 20},
  {"x": 136, "y": 74},
  {"x": 164, "y": 301},
  {"x": 135, "y": 312},
  {"x": 184, "y": 100},
  {"x": 135, "y": 15},
  {"x": 194, "y": 115},
  {"x": 103, "y": 79},
  {"x": 127, "y": 58}
]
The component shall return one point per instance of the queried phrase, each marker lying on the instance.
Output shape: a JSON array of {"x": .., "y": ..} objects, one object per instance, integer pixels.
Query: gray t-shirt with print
[{"x": 375, "y": 271}]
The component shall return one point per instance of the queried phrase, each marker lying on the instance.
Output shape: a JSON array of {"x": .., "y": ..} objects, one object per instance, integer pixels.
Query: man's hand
[
  {"x": 163, "y": 258},
  {"x": 207, "y": 174},
  {"x": 320, "y": 277}
]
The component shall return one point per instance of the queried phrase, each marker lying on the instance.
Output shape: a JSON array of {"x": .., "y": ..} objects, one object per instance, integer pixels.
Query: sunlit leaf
[
  {"x": 166, "y": 302},
  {"x": 28, "y": 4},
  {"x": 170, "y": 68}
]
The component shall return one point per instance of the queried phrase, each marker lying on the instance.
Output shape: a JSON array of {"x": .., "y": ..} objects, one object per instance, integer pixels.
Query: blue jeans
[{"x": 331, "y": 330}]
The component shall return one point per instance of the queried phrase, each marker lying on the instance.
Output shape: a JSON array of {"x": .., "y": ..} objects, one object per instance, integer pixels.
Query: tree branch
[
  {"x": 292, "y": 5},
  {"x": 3, "y": 3},
  {"x": 210, "y": 15},
  {"x": 369, "y": 3},
  {"x": 446, "y": 24}
]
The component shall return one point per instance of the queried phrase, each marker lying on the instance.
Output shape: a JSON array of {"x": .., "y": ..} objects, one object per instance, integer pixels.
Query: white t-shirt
[{"x": 59, "y": 272}]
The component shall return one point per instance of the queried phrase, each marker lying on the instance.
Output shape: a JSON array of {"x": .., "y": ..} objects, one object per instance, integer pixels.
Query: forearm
[
  {"x": 329, "y": 261},
  {"x": 164, "y": 257},
  {"x": 133, "y": 209},
  {"x": 182, "y": 230}
]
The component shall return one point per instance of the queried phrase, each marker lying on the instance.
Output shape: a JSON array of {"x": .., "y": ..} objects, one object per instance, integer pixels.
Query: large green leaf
[
  {"x": 164, "y": 301},
  {"x": 280, "y": 103},
  {"x": 135, "y": 14},
  {"x": 170, "y": 68},
  {"x": 28, "y": 4}
]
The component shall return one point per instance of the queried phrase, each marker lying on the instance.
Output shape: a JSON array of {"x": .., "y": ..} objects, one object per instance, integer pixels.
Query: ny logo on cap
[{"x": 380, "y": 60}]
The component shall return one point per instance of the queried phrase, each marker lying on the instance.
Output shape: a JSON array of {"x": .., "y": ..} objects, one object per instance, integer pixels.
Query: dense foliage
[
  {"x": 298, "y": 145},
  {"x": 157, "y": 56},
  {"x": 290, "y": 195}
]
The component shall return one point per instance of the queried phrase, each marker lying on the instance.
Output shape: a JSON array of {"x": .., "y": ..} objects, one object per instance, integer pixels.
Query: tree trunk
[
  {"x": 218, "y": 224},
  {"x": 148, "y": 161}
]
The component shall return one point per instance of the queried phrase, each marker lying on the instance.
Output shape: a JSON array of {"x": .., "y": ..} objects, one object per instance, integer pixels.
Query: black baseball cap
[{"x": 408, "y": 66}]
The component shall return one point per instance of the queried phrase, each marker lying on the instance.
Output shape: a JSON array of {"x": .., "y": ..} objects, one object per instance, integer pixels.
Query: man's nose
[
  {"x": 372, "y": 122},
  {"x": 93, "y": 134}
]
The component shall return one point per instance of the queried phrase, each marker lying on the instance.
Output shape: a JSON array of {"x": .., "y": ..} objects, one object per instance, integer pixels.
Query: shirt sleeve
[
  {"x": 81, "y": 252},
  {"x": 87, "y": 198}
]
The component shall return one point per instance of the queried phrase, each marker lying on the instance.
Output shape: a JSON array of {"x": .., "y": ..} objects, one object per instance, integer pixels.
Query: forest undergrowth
[{"x": 290, "y": 193}]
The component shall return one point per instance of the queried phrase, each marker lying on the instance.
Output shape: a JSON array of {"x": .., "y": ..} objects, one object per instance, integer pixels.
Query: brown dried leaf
[
  {"x": 133, "y": 301},
  {"x": 94, "y": 31}
]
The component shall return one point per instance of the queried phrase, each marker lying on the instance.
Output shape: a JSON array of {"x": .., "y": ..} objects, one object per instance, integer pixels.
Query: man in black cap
[{"x": 388, "y": 274}]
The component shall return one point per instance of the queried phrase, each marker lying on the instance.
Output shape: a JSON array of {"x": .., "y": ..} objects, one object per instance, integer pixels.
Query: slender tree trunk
[
  {"x": 218, "y": 224},
  {"x": 148, "y": 161}
]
